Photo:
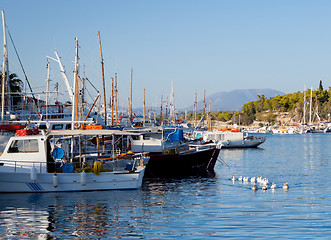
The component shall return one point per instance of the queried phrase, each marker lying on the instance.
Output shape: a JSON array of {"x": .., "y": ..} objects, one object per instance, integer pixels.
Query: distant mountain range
[{"x": 234, "y": 100}]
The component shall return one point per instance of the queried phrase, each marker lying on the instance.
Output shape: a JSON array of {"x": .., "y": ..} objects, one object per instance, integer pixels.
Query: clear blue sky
[{"x": 213, "y": 44}]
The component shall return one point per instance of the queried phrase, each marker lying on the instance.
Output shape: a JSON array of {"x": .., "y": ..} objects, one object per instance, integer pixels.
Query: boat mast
[
  {"x": 172, "y": 103},
  {"x": 130, "y": 97},
  {"x": 47, "y": 85},
  {"x": 116, "y": 112},
  {"x": 57, "y": 91},
  {"x": 204, "y": 108},
  {"x": 161, "y": 113},
  {"x": 209, "y": 117},
  {"x": 75, "y": 95},
  {"x": 195, "y": 109},
  {"x": 166, "y": 112},
  {"x": 112, "y": 101},
  {"x": 83, "y": 89},
  {"x": 144, "y": 109},
  {"x": 103, "y": 81},
  {"x": 311, "y": 103},
  {"x": 5, "y": 73},
  {"x": 304, "y": 105}
]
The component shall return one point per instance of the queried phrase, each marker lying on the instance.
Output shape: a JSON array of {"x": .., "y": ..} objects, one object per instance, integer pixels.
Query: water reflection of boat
[{"x": 66, "y": 215}]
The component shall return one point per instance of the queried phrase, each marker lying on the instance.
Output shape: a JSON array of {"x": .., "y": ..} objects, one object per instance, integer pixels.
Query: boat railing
[
  {"x": 21, "y": 166},
  {"x": 202, "y": 146},
  {"x": 108, "y": 164}
]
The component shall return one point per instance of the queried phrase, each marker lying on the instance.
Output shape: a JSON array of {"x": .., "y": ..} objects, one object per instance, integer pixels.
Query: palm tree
[{"x": 16, "y": 86}]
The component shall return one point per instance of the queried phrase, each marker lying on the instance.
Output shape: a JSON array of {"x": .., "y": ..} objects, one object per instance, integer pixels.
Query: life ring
[{"x": 77, "y": 125}]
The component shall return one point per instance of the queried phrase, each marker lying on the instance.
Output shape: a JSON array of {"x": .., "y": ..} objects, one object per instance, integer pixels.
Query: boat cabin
[
  {"x": 24, "y": 152},
  {"x": 50, "y": 151},
  {"x": 157, "y": 141}
]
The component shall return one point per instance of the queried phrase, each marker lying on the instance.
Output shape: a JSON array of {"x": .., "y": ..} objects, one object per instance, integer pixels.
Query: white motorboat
[
  {"x": 33, "y": 162},
  {"x": 230, "y": 139}
]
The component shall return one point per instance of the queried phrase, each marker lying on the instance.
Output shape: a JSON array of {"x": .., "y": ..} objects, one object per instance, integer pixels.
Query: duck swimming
[
  {"x": 254, "y": 187},
  {"x": 233, "y": 178},
  {"x": 253, "y": 179},
  {"x": 273, "y": 186},
  {"x": 265, "y": 187},
  {"x": 286, "y": 186},
  {"x": 240, "y": 178}
]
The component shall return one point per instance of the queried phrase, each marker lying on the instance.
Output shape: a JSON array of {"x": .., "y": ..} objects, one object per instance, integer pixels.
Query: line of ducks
[{"x": 263, "y": 181}]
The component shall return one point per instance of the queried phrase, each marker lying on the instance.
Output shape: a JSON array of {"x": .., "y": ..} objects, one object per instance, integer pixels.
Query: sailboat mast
[
  {"x": 57, "y": 91},
  {"x": 144, "y": 110},
  {"x": 161, "y": 113},
  {"x": 116, "y": 112},
  {"x": 311, "y": 103},
  {"x": 5, "y": 73},
  {"x": 195, "y": 109},
  {"x": 172, "y": 103},
  {"x": 166, "y": 111},
  {"x": 304, "y": 105},
  {"x": 204, "y": 108},
  {"x": 47, "y": 85},
  {"x": 83, "y": 89},
  {"x": 76, "y": 84},
  {"x": 74, "y": 98},
  {"x": 131, "y": 95},
  {"x": 103, "y": 81},
  {"x": 209, "y": 117},
  {"x": 112, "y": 101}
]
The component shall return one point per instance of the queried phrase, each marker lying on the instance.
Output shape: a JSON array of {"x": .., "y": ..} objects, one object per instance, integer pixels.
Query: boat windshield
[{"x": 24, "y": 146}]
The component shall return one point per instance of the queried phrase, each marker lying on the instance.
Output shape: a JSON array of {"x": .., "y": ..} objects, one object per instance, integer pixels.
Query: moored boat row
[{"x": 85, "y": 160}]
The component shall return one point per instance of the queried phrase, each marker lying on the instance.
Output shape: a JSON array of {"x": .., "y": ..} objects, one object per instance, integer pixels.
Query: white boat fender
[
  {"x": 33, "y": 174},
  {"x": 55, "y": 180},
  {"x": 83, "y": 178}
]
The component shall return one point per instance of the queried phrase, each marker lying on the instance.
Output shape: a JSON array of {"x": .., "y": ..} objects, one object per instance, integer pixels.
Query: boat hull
[
  {"x": 190, "y": 163},
  {"x": 65, "y": 182},
  {"x": 243, "y": 144}
]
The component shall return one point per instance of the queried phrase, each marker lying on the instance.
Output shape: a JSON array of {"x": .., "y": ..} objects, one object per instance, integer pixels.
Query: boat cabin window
[
  {"x": 147, "y": 137},
  {"x": 135, "y": 137},
  {"x": 24, "y": 146},
  {"x": 57, "y": 126}
]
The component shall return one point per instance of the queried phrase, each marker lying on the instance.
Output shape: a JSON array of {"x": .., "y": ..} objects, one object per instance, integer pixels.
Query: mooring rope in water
[{"x": 222, "y": 161}]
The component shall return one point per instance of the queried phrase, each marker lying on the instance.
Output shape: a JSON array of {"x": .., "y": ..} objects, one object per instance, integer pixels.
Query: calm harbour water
[{"x": 194, "y": 208}]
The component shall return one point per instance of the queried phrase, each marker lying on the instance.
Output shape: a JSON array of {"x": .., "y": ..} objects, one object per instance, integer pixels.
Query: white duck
[
  {"x": 240, "y": 178},
  {"x": 264, "y": 181},
  {"x": 286, "y": 186},
  {"x": 273, "y": 186},
  {"x": 265, "y": 187},
  {"x": 246, "y": 179},
  {"x": 253, "y": 180}
]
